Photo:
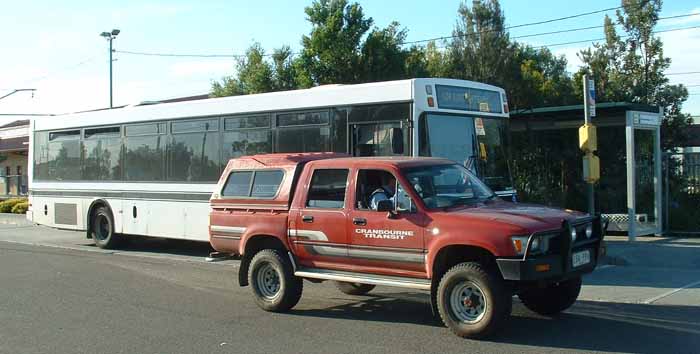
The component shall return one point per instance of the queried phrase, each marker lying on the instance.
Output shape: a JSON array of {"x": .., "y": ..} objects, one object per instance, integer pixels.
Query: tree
[
  {"x": 332, "y": 50},
  {"x": 540, "y": 80},
  {"x": 256, "y": 74},
  {"x": 481, "y": 48},
  {"x": 284, "y": 75},
  {"x": 631, "y": 67},
  {"x": 382, "y": 57}
]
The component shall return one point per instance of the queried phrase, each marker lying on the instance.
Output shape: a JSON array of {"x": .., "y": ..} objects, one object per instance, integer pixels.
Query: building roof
[
  {"x": 17, "y": 123},
  {"x": 576, "y": 111},
  {"x": 14, "y": 144}
]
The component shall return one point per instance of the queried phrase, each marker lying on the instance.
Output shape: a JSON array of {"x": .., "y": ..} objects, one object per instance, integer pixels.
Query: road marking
[{"x": 669, "y": 293}]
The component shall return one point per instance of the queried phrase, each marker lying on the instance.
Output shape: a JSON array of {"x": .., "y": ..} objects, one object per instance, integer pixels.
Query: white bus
[{"x": 150, "y": 169}]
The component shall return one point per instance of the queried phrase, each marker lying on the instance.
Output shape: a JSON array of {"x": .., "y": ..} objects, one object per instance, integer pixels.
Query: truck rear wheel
[
  {"x": 275, "y": 288},
  {"x": 102, "y": 229},
  {"x": 552, "y": 299},
  {"x": 472, "y": 301},
  {"x": 354, "y": 288}
]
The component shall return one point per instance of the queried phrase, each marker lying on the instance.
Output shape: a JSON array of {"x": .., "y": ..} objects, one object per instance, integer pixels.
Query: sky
[{"x": 55, "y": 47}]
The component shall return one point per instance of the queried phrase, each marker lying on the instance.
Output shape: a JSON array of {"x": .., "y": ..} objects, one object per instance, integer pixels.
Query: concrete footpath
[{"x": 652, "y": 270}]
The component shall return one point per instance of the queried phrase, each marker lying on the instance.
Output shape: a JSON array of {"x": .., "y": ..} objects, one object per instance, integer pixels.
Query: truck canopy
[{"x": 263, "y": 181}]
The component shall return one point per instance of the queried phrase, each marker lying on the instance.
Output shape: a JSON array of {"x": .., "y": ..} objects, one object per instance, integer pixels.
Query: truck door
[
  {"x": 379, "y": 240},
  {"x": 317, "y": 233}
]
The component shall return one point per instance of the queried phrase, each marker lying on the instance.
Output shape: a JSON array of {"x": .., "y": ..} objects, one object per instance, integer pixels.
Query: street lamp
[{"x": 110, "y": 36}]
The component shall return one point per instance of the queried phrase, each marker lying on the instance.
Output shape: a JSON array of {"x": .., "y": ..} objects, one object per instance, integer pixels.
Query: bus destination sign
[{"x": 468, "y": 99}]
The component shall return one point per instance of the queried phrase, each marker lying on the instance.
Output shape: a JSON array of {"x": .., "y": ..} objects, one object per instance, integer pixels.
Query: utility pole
[
  {"x": 19, "y": 90},
  {"x": 588, "y": 142},
  {"x": 110, "y": 36}
]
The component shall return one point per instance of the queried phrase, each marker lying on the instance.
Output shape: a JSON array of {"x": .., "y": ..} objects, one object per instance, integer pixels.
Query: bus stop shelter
[{"x": 547, "y": 165}]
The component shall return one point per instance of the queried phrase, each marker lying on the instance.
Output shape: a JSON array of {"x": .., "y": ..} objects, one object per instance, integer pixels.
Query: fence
[{"x": 682, "y": 193}]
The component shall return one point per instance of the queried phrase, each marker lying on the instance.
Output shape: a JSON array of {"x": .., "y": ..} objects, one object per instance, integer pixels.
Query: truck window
[
  {"x": 264, "y": 184},
  {"x": 238, "y": 184},
  {"x": 327, "y": 189}
]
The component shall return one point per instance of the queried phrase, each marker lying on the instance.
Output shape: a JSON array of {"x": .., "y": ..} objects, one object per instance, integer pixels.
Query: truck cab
[{"x": 418, "y": 223}]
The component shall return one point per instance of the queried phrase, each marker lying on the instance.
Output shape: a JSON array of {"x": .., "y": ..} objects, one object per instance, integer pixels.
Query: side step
[{"x": 363, "y": 278}]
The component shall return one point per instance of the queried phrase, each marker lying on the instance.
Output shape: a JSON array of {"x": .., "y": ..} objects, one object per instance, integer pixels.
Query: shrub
[
  {"x": 7, "y": 205},
  {"x": 20, "y": 208}
]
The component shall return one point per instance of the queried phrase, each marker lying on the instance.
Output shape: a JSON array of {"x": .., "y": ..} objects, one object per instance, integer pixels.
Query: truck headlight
[
  {"x": 573, "y": 234},
  {"x": 540, "y": 244},
  {"x": 589, "y": 230}
]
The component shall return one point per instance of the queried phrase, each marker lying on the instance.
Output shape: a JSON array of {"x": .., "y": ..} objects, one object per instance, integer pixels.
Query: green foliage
[
  {"x": 483, "y": 51},
  {"x": 631, "y": 67},
  {"x": 7, "y": 205},
  {"x": 343, "y": 47},
  {"x": 332, "y": 51},
  {"x": 20, "y": 208},
  {"x": 382, "y": 57}
]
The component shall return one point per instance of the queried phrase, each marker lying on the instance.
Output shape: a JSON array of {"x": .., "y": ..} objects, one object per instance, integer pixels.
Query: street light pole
[{"x": 110, "y": 37}]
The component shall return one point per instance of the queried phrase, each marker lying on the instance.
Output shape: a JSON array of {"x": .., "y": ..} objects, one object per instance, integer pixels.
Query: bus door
[{"x": 379, "y": 139}]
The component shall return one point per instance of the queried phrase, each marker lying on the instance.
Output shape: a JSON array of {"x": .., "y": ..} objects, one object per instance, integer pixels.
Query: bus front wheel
[{"x": 102, "y": 229}]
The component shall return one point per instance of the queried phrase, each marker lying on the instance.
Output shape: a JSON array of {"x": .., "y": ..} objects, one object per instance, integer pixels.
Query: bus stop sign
[{"x": 591, "y": 97}]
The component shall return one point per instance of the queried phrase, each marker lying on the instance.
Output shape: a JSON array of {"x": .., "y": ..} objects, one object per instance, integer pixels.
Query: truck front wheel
[
  {"x": 354, "y": 288},
  {"x": 552, "y": 299},
  {"x": 472, "y": 301},
  {"x": 275, "y": 288}
]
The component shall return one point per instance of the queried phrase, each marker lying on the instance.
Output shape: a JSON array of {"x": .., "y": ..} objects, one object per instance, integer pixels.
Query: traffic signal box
[{"x": 588, "y": 142}]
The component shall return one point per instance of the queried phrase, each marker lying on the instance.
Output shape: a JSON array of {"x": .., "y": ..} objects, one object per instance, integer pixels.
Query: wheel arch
[
  {"x": 250, "y": 246},
  {"x": 93, "y": 206},
  {"x": 453, "y": 254}
]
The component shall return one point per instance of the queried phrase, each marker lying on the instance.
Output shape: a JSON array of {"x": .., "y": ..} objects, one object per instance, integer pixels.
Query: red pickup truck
[{"x": 418, "y": 223}]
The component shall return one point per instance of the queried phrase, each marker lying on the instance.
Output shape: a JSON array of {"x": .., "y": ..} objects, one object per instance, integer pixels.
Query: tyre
[
  {"x": 472, "y": 301},
  {"x": 354, "y": 288},
  {"x": 102, "y": 230},
  {"x": 552, "y": 299},
  {"x": 275, "y": 288}
]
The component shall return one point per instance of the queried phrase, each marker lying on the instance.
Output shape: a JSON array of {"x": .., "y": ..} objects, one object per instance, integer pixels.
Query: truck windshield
[
  {"x": 477, "y": 143},
  {"x": 444, "y": 186}
]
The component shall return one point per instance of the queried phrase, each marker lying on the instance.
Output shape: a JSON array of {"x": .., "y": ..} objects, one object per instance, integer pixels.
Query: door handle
[
  {"x": 307, "y": 218},
  {"x": 359, "y": 221}
]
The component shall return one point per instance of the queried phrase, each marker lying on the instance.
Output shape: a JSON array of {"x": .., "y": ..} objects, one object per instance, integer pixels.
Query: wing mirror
[{"x": 388, "y": 206}]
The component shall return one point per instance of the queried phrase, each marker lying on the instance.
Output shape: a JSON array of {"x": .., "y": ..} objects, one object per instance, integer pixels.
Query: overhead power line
[
  {"x": 517, "y": 26},
  {"x": 197, "y": 55},
  {"x": 687, "y": 72},
  {"x": 181, "y": 55},
  {"x": 603, "y": 38}
]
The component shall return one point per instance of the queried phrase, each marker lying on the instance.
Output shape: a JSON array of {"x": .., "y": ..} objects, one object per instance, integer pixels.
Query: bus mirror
[{"x": 397, "y": 141}]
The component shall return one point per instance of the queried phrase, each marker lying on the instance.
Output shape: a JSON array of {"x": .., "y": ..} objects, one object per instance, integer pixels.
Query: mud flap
[
  {"x": 243, "y": 270},
  {"x": 433, "y": 299}
]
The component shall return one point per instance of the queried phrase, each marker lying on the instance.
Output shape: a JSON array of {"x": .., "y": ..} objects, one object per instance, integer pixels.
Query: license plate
[{"x": 581, "y": 258}]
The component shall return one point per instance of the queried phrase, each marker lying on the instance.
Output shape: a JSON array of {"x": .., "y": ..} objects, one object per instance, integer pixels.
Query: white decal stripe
[
  {"x": 228, "y": 229},
  {"x": 310, "y": 234}
]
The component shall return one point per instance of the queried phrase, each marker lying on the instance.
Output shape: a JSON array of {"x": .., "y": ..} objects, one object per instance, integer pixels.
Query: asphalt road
[{"x": 57, "y": 300}]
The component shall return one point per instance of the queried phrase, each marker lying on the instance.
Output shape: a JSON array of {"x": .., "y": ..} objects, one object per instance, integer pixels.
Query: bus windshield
[{"x": 477, "y": 143}]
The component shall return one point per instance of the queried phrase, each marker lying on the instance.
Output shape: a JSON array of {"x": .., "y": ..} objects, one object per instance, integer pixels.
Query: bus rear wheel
[{"x": 102, "y": 229}]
